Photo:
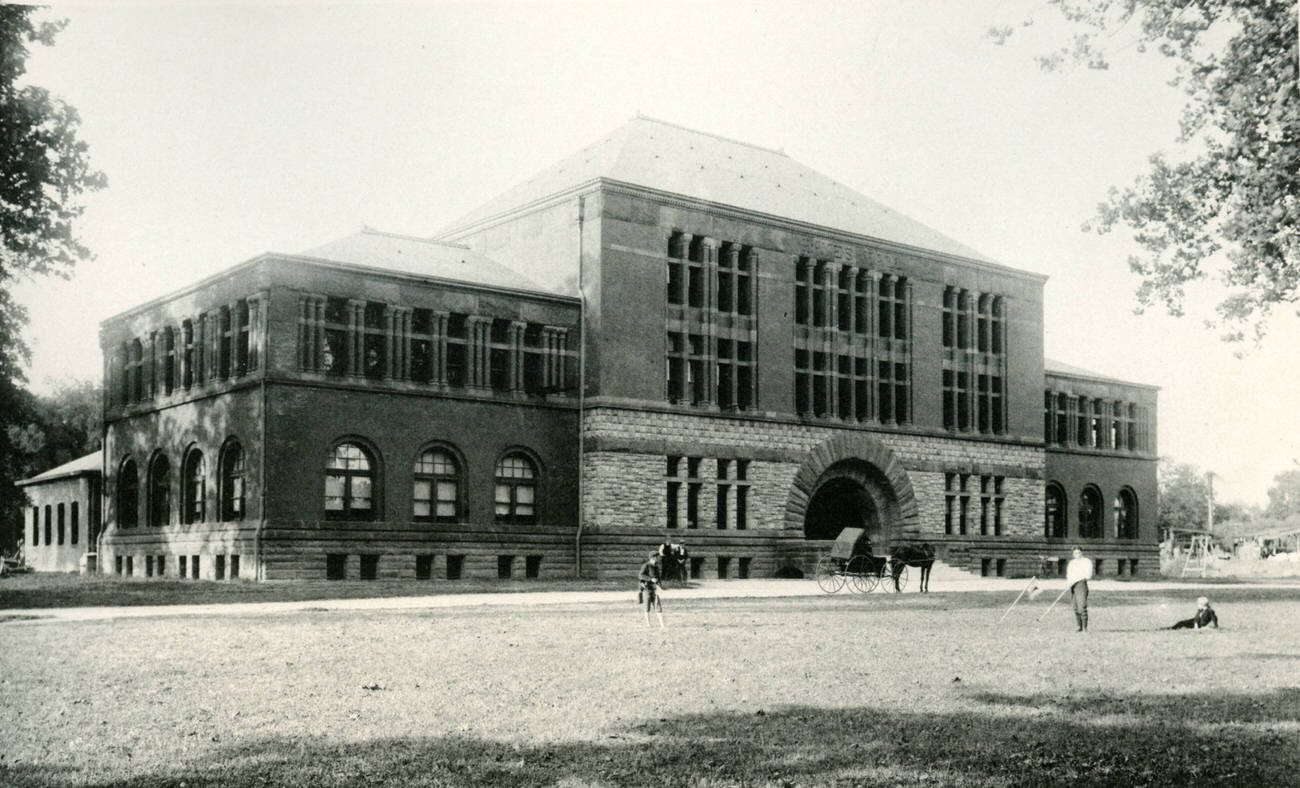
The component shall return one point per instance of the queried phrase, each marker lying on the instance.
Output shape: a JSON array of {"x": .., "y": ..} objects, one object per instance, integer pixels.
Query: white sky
[{"x": 231, "y": 130}]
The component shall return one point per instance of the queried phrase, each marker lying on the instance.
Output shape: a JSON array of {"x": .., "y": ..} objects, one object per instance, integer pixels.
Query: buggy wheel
[
  {"x": 830, "y": 575},
  {"x": 860, "y": 577},
  {"x": 902, "y": 580}
]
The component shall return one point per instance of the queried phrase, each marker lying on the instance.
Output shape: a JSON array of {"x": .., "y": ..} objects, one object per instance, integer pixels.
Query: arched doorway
[
  {"x": 852, "y": 493},
  {"x": 840, "y": 503},
  {"x": 852, "y": 480}
]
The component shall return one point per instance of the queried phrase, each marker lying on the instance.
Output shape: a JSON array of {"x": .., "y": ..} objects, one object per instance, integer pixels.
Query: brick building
[{"x": 766, "y": 357}]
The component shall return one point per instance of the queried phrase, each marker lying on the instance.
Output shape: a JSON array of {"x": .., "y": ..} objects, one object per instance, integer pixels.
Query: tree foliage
[
  {"x": 44, "y": 174},
  {"x": 1184, "y": 494},
  {"x": 1228, "y": 204},
  {"x": 1284, "y": 496}
]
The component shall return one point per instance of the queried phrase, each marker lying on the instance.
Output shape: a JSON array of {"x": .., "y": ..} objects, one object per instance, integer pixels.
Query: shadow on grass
[{"x": 1206, "y": 739}]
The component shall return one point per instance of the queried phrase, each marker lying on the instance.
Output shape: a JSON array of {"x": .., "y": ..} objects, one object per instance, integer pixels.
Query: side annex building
[{"x": 667, "y": 334}]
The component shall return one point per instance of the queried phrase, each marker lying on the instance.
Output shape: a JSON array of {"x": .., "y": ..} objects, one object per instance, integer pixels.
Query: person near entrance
[
  {"x": 649, "y": 590},
  {"x": 1077, "y": 574}
]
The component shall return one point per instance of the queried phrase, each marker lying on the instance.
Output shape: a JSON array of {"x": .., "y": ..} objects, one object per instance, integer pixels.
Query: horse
[{"x": 920, "y": 556}]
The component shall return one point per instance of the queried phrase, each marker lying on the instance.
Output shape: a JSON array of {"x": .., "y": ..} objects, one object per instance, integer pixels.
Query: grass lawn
[
  {"x": 39, "y": 590},
  {"x": 875, "y": 690}
]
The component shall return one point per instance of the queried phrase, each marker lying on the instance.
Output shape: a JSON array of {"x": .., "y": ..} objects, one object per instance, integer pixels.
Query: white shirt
[{"x": 1078, "y": 569}]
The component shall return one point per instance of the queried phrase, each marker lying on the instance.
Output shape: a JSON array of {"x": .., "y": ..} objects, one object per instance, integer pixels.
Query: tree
[
  {"x": 1184, "y": 494},
  {"x": 1284, "y": 495},
  {"x": 1228, "y": 205},
  {"x": 44, "y": 173}
]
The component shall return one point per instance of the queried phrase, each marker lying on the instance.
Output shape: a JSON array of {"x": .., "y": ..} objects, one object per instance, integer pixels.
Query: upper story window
[
  {"x": 160, "y": 491},
  {"x": 128, "y": 495},
  {"x": 232, "y": 481},
  {"x": 194, "y": 498},
  {"x": 349, "y": 483},
  {"x": 515, "y": 498},
  {"x": 711, "y": 331},
  {"x": 436, "y": 493},
  {"x": 974, "y": 363}
]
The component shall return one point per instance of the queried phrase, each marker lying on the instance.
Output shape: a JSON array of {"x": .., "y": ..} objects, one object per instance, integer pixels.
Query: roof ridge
[
  {"x": 368, "y": 230},
  {"x": 777, "y": 151}
]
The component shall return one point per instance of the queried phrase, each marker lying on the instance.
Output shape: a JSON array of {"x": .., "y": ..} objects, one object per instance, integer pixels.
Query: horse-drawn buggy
[{"x": 852, "y": 563}]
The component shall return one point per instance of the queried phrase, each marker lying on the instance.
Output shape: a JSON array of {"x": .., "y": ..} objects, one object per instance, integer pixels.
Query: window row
[
  {"x": 958, "y": 494},
  {"x": 343, "y": 337},
  {"x": 718, "y": 276},
  {"x": 1091, "y": 513},
  {"x": 974, "y": 361},
  {"x": 851, "y": 387},
  {"x": 438, "y": 485},
  {"x": 710, "y": 325},
  {"x": 217, "y": 345},
  {"x": 160, "y": 488},
  {"x": 843, "y": 297},
  {"x": 686, "y": 480},
  {"x": 224, "y": 567},
  {"x": 1095, "y": 423},
  {"x": 62, "y": 522}
]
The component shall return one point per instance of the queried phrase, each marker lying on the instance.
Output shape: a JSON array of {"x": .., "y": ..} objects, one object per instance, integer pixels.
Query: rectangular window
[
  {"x": 369, "y": 567},
  {"x": 801, "y": 289},
  {"x": 1002, "y": 567},
  {"x": 242, "y": 360},
  {"x": 697, "y": 568},
  {"x": 986, "y": 504},
  {"x": 194, "y": 567},
  {"x": 999, "y": 496},
  {"x": 723, "y": 491},
  {"x": 148, "y": 566},
  {"x": 964, "y": 501},
  {"x": 234, "y": 566},
  {"x": 336, "y": 566},
  {"x": 505, "y": 564},
  {"x": 986, "y": 565},
  {"x": 457, "y": 354},
  {"x": 160, "y": 564},
  {"x": 533, "y": 566},
  {"x": 949, "y": 503},
  {"x": 742, "y": 494},
  {"x": 693, "y": 486},
  {"x": 424, "y": 566},
  {"x": 724, "y": 566},
  {"x": 226, "y": 343},
  {"x": 130, "y": 566},
  {"x": 76, "y": 522},
  {"x": 455, "y": 567},
  {"x": 62, "y": 526},
  {"x": 219, "y": 568}
]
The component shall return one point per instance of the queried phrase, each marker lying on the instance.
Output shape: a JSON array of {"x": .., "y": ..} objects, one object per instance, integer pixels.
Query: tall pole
[{"x": 1209, "y": 503}]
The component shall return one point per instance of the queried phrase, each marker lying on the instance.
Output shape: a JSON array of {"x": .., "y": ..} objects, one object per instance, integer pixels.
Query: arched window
[
  {"x": 1054, "y": 512},
  {"x": 436, "y": 494},
  {"x": 232, "y": 481},
  {"x": 349, "y": 483},
  {"x": 1090, "y": 512},
  {"x": 516, "y": 489},
  {"x": 160, "y": 500},
  {"x": 128, "y": 496},
  {"x": 1126, "y": 515},
  {"x": 195, "y": 501}
]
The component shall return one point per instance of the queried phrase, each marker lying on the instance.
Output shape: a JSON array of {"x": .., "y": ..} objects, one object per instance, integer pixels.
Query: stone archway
[{"x": 861, "y": 478}]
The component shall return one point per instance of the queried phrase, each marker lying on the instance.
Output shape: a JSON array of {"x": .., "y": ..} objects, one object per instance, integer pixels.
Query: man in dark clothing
[
  {"x": 1205, "y": 616},
  {"x": 649, "y": 589}
]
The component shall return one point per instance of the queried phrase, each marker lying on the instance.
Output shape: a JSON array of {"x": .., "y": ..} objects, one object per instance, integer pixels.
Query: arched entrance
[
  {"x": 851, "y": 494},
  {"x": 852, "y": 480},
  {"x": 838, "y": 504}
]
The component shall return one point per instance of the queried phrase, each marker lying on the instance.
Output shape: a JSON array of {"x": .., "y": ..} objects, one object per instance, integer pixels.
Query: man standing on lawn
[
  {"x": 1077, "y": 574},
  {"x": 649, "y": 589}
]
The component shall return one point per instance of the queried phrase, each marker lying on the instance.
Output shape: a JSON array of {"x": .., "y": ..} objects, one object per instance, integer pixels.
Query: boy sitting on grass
[{"x": 1205, "y": 616}]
